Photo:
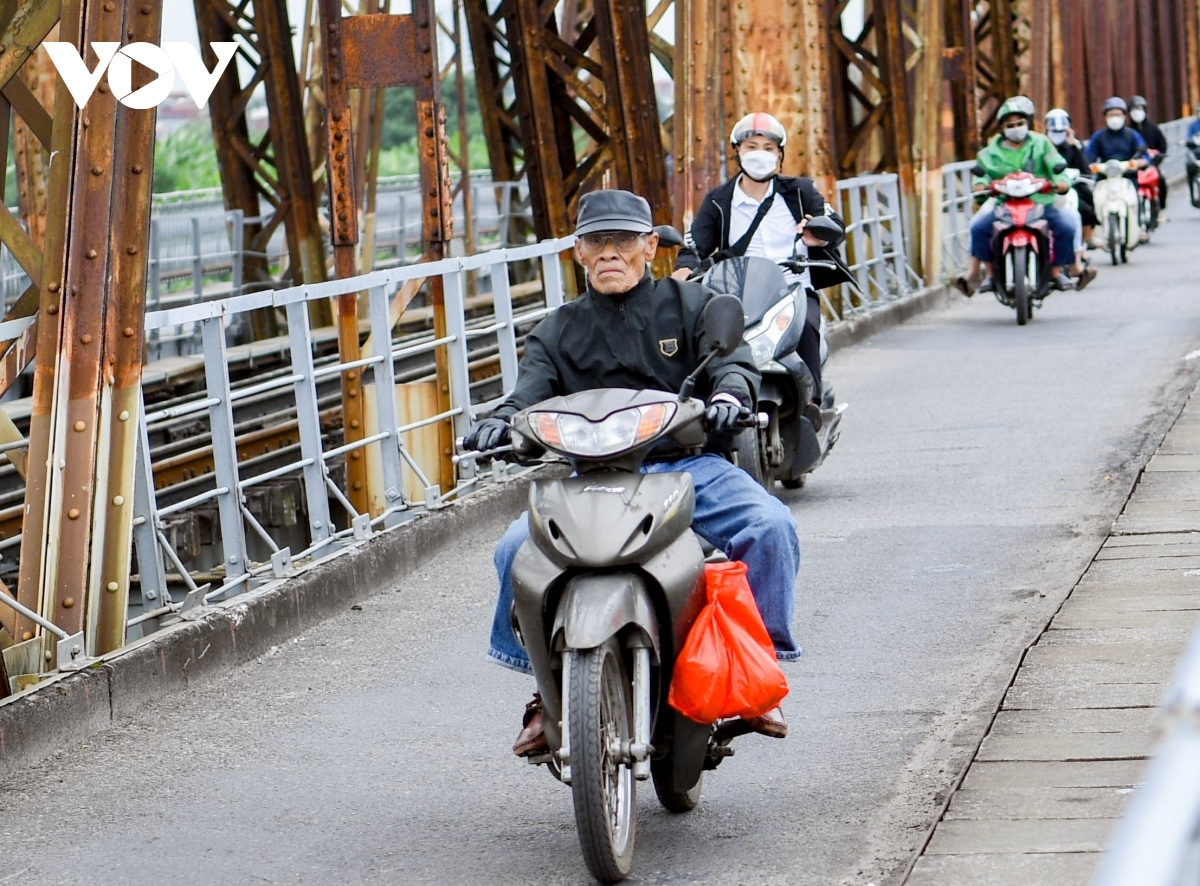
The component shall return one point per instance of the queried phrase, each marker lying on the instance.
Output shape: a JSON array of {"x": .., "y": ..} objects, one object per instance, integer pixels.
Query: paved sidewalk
[{"x": 1068, "y": 746}]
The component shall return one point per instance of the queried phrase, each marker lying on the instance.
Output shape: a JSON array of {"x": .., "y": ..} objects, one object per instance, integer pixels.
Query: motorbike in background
[
  {"x": 1116, "y": 199},
  {"x": 790, "y": 446},
  {"x": 1021, "y": 243},
  {"x": 1149, "y": 181},
  {"x": 1192, "y": 164}
]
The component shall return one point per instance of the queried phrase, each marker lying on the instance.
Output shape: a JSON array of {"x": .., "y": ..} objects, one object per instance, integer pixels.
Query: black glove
[
  {"x": 489, "y": 434},
  {"x": 726, "y": 418}
]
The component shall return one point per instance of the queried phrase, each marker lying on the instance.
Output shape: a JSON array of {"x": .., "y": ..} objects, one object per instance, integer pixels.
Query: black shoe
[
  {"x": 963, "y": 285},
  {"x": 988, "y": 285},
  {"x": 1062, "y": 283}
]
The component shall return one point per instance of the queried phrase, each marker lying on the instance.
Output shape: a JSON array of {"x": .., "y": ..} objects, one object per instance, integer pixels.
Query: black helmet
[{"x": 1116, "y": 103}]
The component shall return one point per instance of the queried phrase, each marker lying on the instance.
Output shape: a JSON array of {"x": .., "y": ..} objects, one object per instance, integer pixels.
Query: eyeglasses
[{"x": 624, "y": 241}]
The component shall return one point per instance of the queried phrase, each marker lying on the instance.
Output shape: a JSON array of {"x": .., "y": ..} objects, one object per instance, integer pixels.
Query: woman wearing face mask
[
  {"x": 1018, "y": 149},
  {"x": 760, "y": 212},
  {"x": 1062, "y": 136},
  {"x": 1116, "y": 141},
  {"x": 1152, "y": 135}
]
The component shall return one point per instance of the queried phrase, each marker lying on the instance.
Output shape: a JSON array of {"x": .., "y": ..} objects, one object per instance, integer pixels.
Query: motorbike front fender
[{"x": 595, "y": 607}]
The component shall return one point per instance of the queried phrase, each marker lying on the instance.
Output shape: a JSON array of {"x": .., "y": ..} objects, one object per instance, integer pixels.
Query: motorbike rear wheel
[
  {"x": 1020, "y": 283},
  {"x": 672, "y": 799},
  {"x": 1194, "y": 188},
  {"x": 750, "y": 458},
  {"x": 1115, "y": 239},
  {"x": 601, "y": 705}
]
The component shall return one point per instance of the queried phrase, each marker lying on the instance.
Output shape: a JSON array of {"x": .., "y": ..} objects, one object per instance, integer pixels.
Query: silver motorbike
[{"x": 605, "y": 592}]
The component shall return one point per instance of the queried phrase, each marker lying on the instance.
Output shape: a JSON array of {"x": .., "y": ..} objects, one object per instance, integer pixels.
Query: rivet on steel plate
[
  {"x": 127, "y": 332},
  {"x": 91, "y": 253},
  {"x": 150, "y": 594},
  {"x": 97, "y": 170},
  {"x": 73, "y": 514},
  {"x": 86, "y": 338},
  {"x": 357, "y": 485},
  {"x": 337, "y": 116},
  {"x": 124, "y": 416},
  {"x": 354, "y": 456},
  {"x": 354, "y": 422},
  {"x": 132, "y": 250},
  {"x": 233, "y": 559},
  {"x": 145, "y": 10},
  {"x": 118, "y": 500},
  {"x": 53, "y": 287},
  {"x": 27, "y": 635},
  {"x": 68, "y": 603},
  {"x": 317, "y": 524},
  {"x": 113, "y": 587},
  {"x": 80, "y": 425}
]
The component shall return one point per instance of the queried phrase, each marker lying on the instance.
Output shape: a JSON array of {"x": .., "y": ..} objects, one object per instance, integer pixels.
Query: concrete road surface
[{"x": 980, "y": 466}]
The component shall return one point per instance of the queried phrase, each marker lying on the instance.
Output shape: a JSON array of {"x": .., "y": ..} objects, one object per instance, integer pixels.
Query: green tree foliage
[{"x": 186, "y": 160}]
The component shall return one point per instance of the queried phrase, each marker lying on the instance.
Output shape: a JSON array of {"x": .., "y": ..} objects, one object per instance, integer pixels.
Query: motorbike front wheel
[
  {"x": 1115, "y": 239},
  {"x": 1194, "y": 188},
  {"x": 1020, "y": 283},
  {"x": 601, "y": 718},
  {"x": 750, "y": 458}
]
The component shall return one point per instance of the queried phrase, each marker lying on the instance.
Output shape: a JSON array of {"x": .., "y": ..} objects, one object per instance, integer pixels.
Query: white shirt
[{"x": 776, "y": 235}]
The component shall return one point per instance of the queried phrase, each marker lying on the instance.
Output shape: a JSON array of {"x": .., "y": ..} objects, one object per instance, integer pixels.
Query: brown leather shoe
[
  {"x": 771, "y": 724},
  {"x": 532, "y": 739}
]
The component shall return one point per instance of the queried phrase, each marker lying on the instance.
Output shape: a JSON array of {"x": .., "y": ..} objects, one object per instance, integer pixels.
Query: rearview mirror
[
  {"x": 668, "y": 235},
  {"x": 724, "y": 323},
  {"x": 826, "y": 229}
]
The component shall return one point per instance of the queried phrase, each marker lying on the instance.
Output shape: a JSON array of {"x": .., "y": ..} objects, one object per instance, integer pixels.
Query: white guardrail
[{"x": 1158, "y": 840}]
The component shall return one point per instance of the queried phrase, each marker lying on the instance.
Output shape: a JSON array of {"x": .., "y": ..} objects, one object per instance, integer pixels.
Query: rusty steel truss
[{"x": 569, "y": 92}]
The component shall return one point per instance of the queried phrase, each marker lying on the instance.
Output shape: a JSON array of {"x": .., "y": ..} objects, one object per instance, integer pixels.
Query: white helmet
[
  {"x": 758, "y": 124},
  {"x": 1058, "y": 120}
]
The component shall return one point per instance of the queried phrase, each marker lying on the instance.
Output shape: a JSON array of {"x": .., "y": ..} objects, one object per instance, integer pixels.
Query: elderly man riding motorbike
[
  {"x": 629, "y": 330},
  {"x": 1018, "y": 149}
]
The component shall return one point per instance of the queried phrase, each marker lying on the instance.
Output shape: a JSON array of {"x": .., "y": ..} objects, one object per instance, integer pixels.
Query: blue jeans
[
  {"x": 1062, "y": 231},
  {"x": 733, "y": 513}
]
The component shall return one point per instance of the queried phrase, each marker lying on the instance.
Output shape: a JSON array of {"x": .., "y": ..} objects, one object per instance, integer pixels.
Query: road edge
[{"x": 69, "y": 707}]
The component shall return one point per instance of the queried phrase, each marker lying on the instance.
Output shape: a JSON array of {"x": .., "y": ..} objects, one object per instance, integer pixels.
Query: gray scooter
[{"x": 605, "y": 592}]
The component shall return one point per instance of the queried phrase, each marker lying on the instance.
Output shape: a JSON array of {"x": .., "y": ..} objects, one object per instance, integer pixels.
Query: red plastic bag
[{"x": 727, "y": 666}]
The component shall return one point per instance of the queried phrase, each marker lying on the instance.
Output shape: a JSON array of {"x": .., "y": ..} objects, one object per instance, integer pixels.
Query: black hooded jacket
[
  {"x": 650, "y": 338},
  {"x": 710, "y": 229}
]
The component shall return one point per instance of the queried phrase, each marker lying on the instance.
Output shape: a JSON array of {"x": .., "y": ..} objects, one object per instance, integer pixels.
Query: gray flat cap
[{"x": 613, "y": 210}]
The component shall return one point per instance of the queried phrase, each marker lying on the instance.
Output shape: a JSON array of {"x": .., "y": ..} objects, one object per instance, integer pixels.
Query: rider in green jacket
[{"x": 1018, "y": 149}]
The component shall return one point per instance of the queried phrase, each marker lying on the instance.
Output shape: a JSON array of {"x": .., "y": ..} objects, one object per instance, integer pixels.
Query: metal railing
[
  {"x": 245, "y": 552},
  {"x": 958, "y": 208},
  {"x": 1158, "y": 840},
  {"x": 874, "y": 249},
  {"x": 1175, "y": 131}
]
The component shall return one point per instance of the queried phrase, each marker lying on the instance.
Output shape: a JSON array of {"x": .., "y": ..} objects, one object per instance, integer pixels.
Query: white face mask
[
  {"x": 1057, "y": 137},
  {"x": 1115, "y": 122},
  {"x": 759, "y": 165},
  {"x": 1138, "y": 115},
  {"x": 1017, "y": 134}
]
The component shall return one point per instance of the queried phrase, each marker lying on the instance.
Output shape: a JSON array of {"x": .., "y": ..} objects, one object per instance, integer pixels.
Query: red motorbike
[
  {"x": 1148, "y": 182},
  {"x": 1021, "y": 243}
]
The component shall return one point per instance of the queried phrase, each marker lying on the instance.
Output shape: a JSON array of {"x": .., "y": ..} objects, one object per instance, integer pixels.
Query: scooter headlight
[
  {"x": 575, "y": 435},
  {"x": 765, "y": 337}
]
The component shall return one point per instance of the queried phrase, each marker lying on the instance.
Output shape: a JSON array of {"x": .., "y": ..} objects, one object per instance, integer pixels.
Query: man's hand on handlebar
[
  {"x": 723, "y": 417},
  {"x": 1062, "y": 187},
  {"x": 489, "y": 434},
  {"x": 808, "y": 238}
]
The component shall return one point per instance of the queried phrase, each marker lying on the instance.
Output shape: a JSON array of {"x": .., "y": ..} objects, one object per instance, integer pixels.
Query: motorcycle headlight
[
  {"x": 764, "y": 338},
  {"x": 575, "y": 435}
]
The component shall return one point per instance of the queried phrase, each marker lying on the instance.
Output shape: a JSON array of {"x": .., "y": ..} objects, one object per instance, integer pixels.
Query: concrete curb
[
  {"x": 67, "y": 708},
  {"x": 856, "y": 329},
  {"x": 41, "y": 720}
]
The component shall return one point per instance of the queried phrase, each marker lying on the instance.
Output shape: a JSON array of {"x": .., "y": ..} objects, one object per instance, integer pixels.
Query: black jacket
[
  {"x": 1072, "y": 151},
  {"x": 710, "y": 228},
  {"x": 1125, "y": 143},
  {"x": 649, "y": 339},
  {"x": 1152, "y": 135}
]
